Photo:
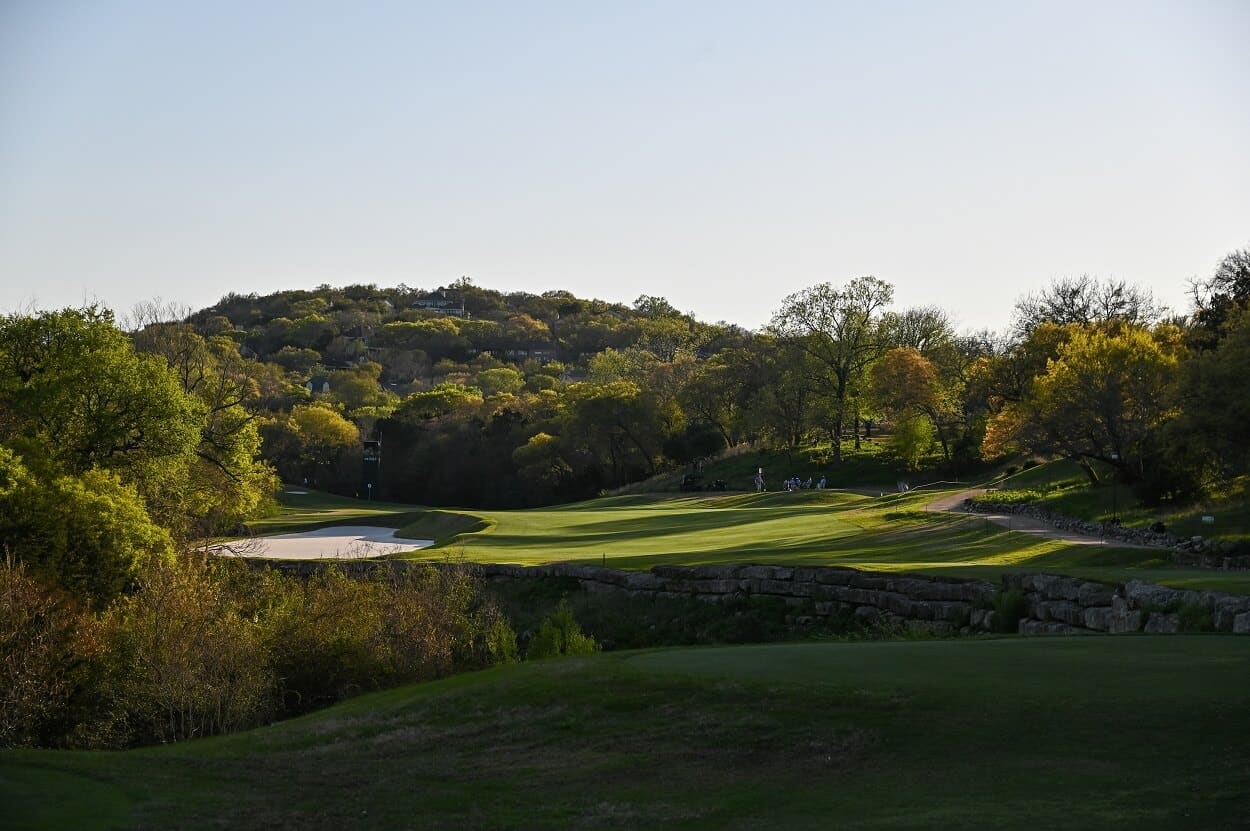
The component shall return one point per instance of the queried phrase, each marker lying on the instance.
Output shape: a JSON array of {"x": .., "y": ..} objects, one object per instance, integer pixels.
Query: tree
[
  {"x": 223, "y": 482},
  {"x": 322, "y": 435},
  {"x": 1218, "y": 299},
  {"x": 72, "y": 386},
  {"x": 297, "y": 360},
  {"x": 718, "y": 392},
  {"x": 1100, "y": 400},
  {"x": 616, "y": 421},
  {"x": 90, "y": 533},
  {"x": 1216, "y": 399},
  {"x": 503, "y": 379},
  {"x": 841, "y": 329},
  {"x": 906, "y": 385},
  {"x": 1085, "y": 300}
]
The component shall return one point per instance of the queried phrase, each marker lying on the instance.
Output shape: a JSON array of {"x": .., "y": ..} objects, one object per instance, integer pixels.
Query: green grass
[
  {"x": 1058, "y": 474},
  {"x": 1063, "y": 733},
  {"x": 302, "y": 509},
  {"x": 1061, "y": 487},
  {"x": 870, "y": 469},
  {"x": 805, "y": 528},
  {"x": 890, "y": 532}
]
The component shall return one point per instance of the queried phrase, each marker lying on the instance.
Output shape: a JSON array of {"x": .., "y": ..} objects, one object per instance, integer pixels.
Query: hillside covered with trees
[{"x": 480, "y": 398}]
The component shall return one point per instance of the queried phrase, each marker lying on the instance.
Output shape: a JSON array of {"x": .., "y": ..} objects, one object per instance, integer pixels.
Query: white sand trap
[{"x": 340, "y": 542}]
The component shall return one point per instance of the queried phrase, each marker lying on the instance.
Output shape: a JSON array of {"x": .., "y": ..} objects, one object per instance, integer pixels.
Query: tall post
[
  {"x": 371, "y": 467},
  {"x": 1115, "y": 490}
]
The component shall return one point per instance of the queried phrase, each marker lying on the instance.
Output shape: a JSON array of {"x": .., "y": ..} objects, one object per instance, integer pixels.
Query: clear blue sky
[{"x": 722, "y": 154}]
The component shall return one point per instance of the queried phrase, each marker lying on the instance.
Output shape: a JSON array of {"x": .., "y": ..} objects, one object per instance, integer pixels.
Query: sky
[{"x": 720, "y": 154}]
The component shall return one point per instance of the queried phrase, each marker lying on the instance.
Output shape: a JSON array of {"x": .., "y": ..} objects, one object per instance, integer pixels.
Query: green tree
[
  {"x": 323, "y": 436},
  {"x": 1219, "y": 299},
  {"x": 89, "y": 532},
  {"x": 1215, "y": 399},
  {"x": 840, "y": 328},
  {"x": 223, "y": 482},
  {"x": 1101, "y": 400},
  {"x": 72, "y": 386},
  {"x": 905, "y": 384}
]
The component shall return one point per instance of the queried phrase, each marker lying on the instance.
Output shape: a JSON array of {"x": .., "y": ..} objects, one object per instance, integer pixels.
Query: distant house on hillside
[
  {"x": 541, "y": 352},
  {"x": 445, "y": 301},
  {"x": 318, "y": 385}
]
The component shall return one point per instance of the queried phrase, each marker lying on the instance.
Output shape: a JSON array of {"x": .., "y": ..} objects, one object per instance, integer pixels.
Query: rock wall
[{"x": 1043, "y": 603}]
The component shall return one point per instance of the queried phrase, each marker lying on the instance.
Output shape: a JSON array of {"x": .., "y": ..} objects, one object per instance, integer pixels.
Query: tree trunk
[{"x": 1090, "y": 473}]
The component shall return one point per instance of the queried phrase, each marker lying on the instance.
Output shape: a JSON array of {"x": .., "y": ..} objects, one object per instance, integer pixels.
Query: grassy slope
[
  {"x": 301, "y": 509},
  {"x": 870, "y": 469},
  {"x": 1124, "y": 732},
  {"x": 1064, "y": 489}
]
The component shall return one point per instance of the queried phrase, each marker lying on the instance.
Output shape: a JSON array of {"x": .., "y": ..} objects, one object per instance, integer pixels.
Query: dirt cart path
[{"x": 953, "y": 504}]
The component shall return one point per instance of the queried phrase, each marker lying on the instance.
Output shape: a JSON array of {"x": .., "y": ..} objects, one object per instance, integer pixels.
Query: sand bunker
[{"x": 340, "y": 542}]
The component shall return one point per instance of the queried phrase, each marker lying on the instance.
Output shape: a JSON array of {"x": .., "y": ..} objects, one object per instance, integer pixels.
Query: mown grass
[
  {"x": 890, "y": 532},
  {"x": 870, "y": 469},
  {"x": 1064, "y": 733},
  {"x": 301, "y": 509}
]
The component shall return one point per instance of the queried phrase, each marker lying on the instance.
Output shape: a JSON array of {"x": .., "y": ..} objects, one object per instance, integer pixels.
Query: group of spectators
[{"x": 796, "y": 484}]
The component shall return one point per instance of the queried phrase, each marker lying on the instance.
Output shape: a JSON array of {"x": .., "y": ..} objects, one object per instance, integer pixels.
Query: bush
[
  {"x": 205, "y": 646},
  {"x": 1009, "y": 609},
  {"x": 46, "y": 651},
  {"x": 1195, "y": 617},
  {"x": 560, "y": 635},
  {"x": 188, "y": 660}
]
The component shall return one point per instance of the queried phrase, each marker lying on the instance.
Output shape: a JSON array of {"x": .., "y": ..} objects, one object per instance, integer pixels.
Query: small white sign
[{"x": 1208, "y": 520}]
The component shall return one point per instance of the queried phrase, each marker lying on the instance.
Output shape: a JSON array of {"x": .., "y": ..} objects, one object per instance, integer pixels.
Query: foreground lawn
[{"x": 1094, "y": 732}]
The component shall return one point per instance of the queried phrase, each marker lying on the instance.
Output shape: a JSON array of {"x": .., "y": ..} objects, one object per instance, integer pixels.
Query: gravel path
[
  {"x": 953, "y": 504},
  {"x": 352, "y": 542}
]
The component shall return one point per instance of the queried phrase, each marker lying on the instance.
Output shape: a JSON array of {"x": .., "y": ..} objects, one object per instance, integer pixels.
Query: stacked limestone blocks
[{"x": 1052, "y": 604}]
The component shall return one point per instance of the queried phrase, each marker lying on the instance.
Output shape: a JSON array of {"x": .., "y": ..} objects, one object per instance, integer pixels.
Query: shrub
[
  {"x": 188, "y": 661},
  {"x": 46, "y": 650},
  {"x": 204, "y": 646},
  {"x": 1009, "y": 609},
  {"x": 560, "y": 635},
  {"x": 1194, "y": 617}
]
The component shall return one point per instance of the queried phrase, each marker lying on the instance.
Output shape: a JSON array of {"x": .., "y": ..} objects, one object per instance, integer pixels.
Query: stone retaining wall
[{"x": 1047, "y": 604}]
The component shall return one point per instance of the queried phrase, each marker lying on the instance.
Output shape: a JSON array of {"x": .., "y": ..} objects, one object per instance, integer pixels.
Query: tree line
[{"x": 481, "y": 398}]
